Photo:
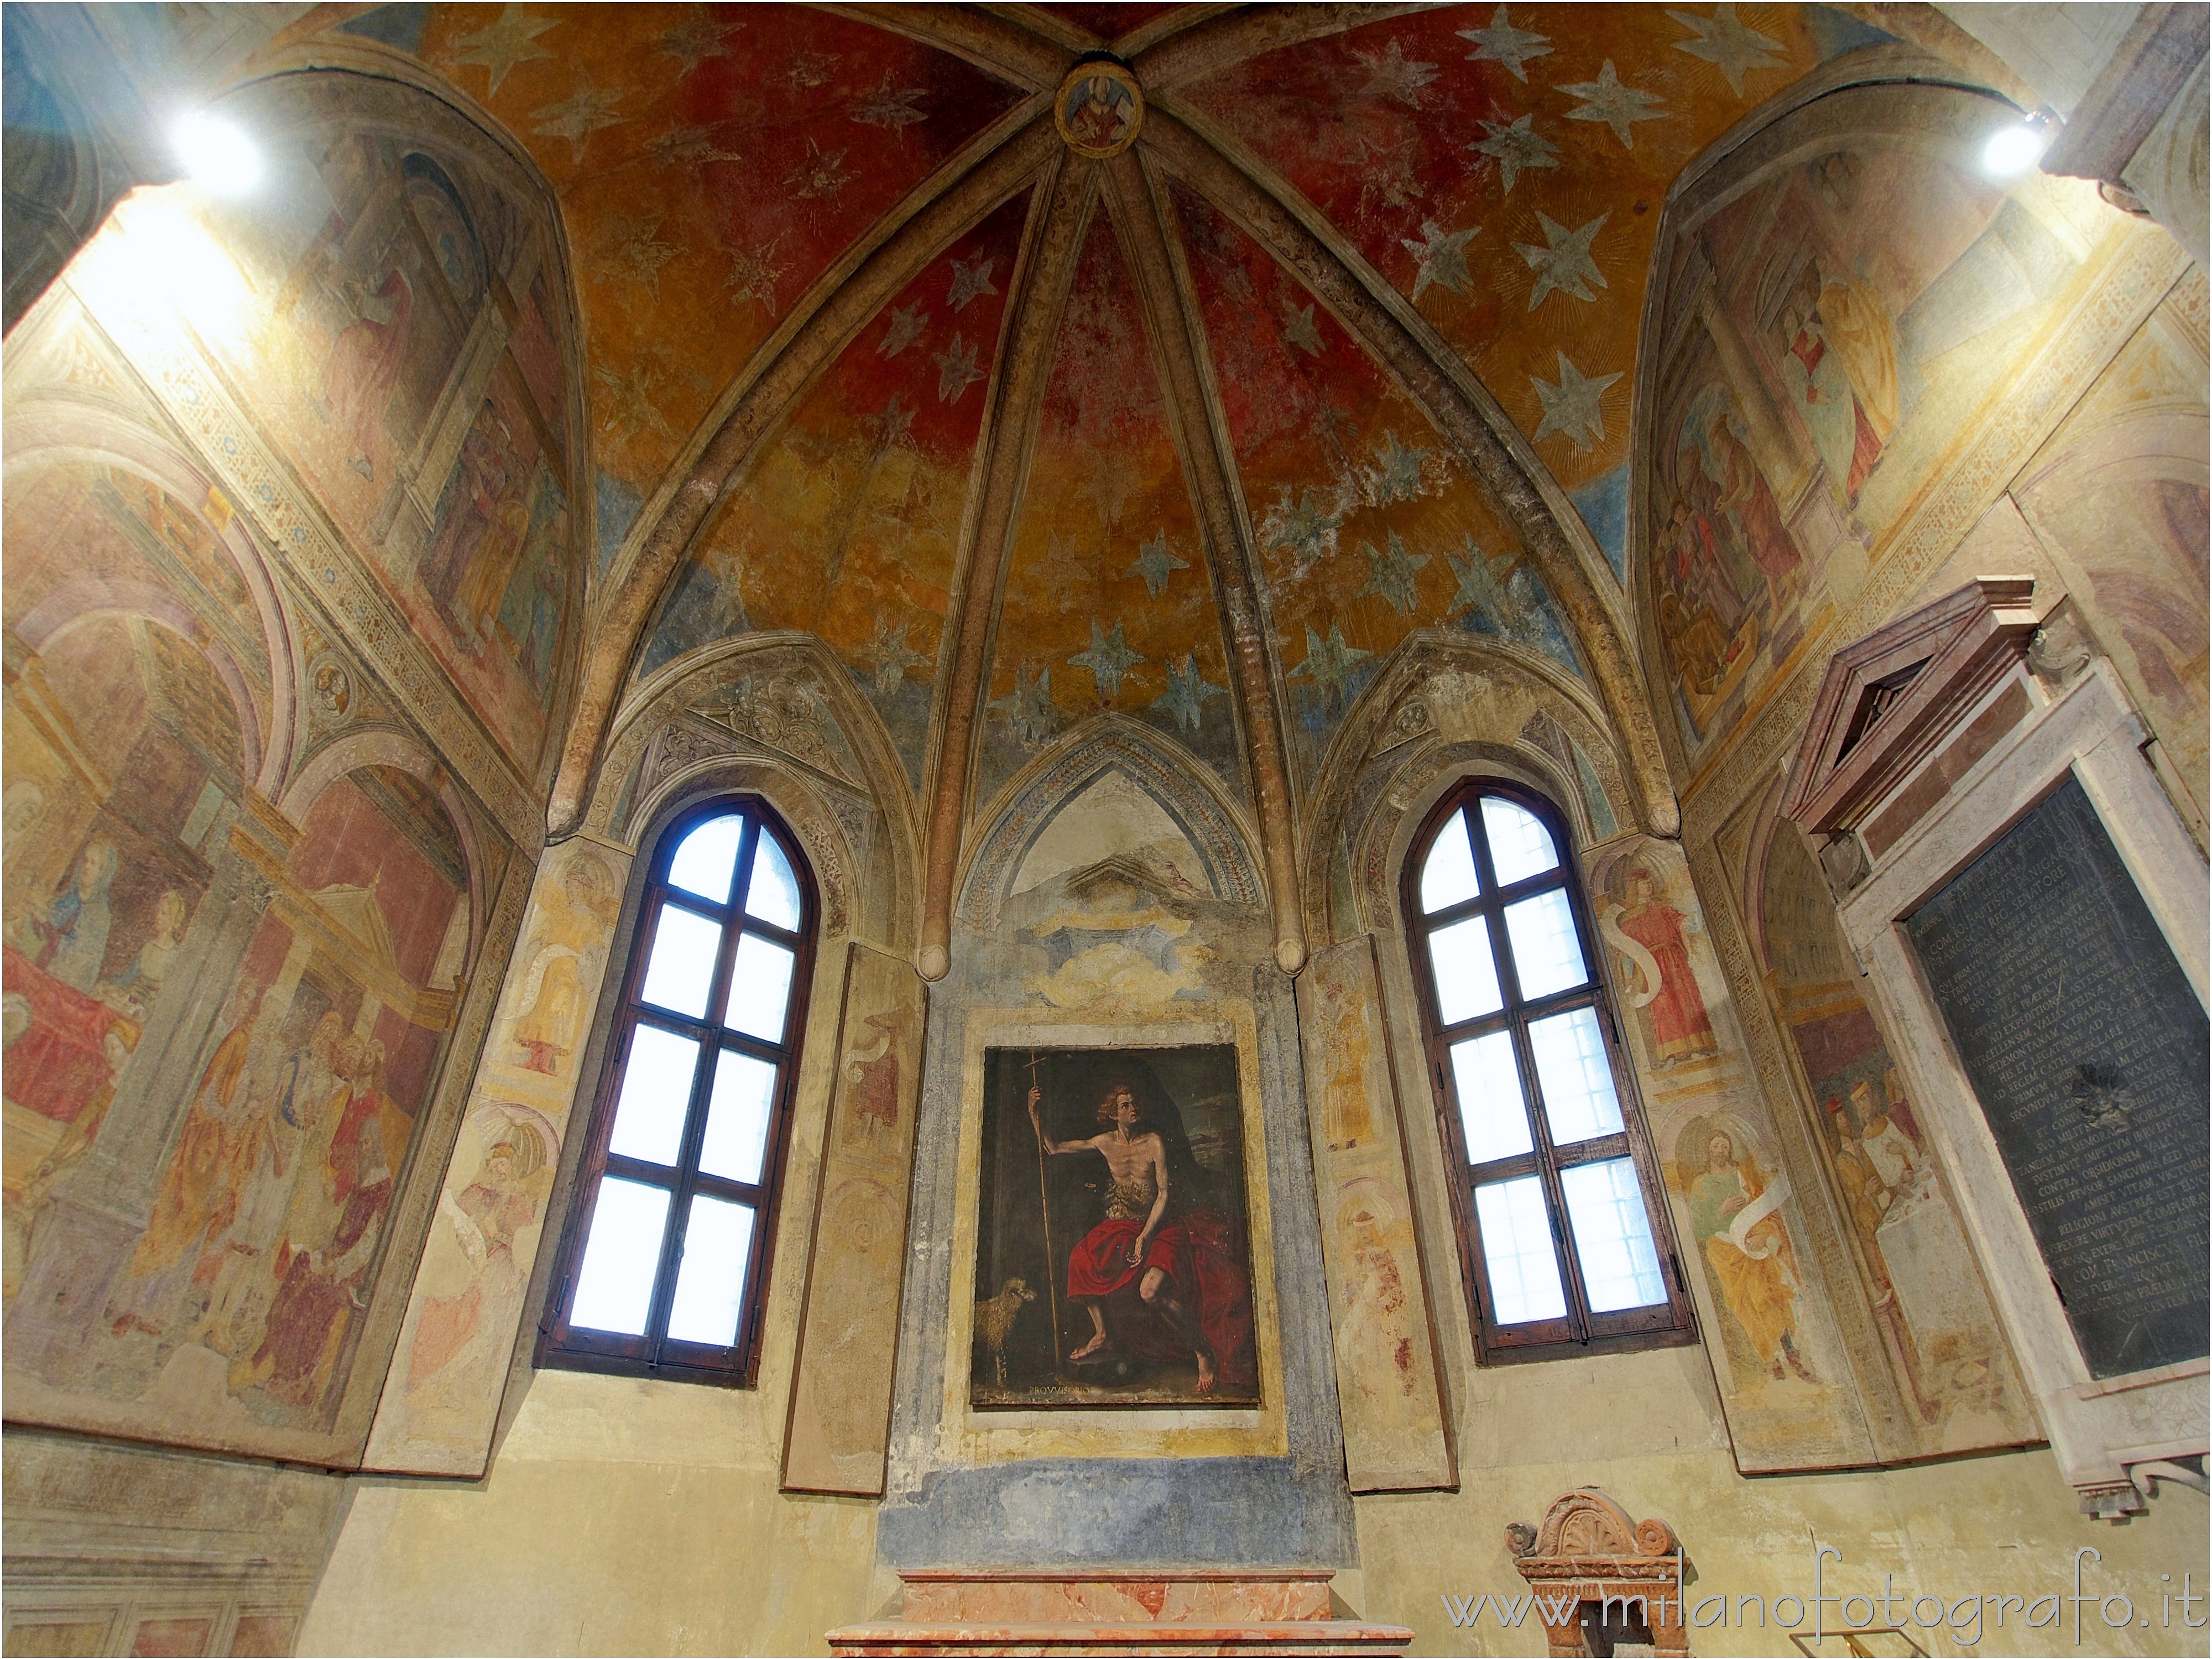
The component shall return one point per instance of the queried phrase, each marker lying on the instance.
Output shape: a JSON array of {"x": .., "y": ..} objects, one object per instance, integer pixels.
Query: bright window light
[
  {"x": 217, "y": 154},
  {"x": 2013, "y": 151}
]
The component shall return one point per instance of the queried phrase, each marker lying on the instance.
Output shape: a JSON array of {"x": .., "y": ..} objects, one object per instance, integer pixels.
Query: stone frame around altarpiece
[
  {"x": 2085, "y": 729},
  {"x": 990, "y": 1435}
]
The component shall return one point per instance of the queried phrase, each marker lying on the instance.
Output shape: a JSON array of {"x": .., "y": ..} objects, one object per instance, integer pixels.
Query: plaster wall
[{"x": 1647, "y": 1428}]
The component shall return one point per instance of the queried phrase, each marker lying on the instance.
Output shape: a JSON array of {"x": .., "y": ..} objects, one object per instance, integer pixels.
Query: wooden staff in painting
[{"x": 1044, "y": 1202}]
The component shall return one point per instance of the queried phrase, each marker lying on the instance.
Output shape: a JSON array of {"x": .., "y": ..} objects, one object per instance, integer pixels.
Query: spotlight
[
  {"x": 2013, "y": 151},
  {"x": 217, "y": 154}
]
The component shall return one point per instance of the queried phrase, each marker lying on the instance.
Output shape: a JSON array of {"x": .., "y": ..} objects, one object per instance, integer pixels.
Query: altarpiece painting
[{"x": 1112, "y": 1261}]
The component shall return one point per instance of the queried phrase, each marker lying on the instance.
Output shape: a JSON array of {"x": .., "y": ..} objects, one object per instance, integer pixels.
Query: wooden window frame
[
  {"x": 1579, "y": 1331},
  {"x": 563, "y": 1346}
]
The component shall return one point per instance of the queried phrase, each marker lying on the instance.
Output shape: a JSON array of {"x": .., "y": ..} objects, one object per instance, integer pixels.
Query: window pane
[
  {"x": 1546, "y": 952},
  {"x": 1517, "y": 1249},
  {"x": 1520, "y": 845},
  {"x": 682, "y": 969},
  {"x": 712, "y": 1280},
  {"x": 656, "y": 1088},
  {"x": 773, "y": 893},
  {"x": 1467, "y": 975},
  {"x": 1490, "y": 1104},
  {"x": 1613, "y": 1236},
  {"x": 1449, "y": 878},
  {"x": 760, "y": 986},
  {"x": 736, "y": 1117},
  {"x": 1575, "y": 1077},
  {"x": 707, "y": 859},
  {"x": 614, "y": 1289}
]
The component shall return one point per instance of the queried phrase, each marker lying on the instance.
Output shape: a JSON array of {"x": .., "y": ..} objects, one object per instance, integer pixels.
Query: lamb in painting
[{"x": 994, "y": 1318}]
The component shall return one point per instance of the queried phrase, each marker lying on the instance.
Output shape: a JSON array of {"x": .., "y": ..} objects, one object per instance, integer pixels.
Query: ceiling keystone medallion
[{"x": 1099, "y": 108}]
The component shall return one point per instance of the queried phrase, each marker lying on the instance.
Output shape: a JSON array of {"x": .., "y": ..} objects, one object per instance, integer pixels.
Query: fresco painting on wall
[
  {"x": 1394, "y": 1437},
  {"x": 1831, "y": 363},
  {"x": 396, "y": 341},
  {"x": 1113, "y": 1235},
  {"x": 449, "y": 1370},
  {"x": 2118, "y": 498},
  {"x": 1919, "y": 1271},
  {"x": 1778, "y": 1356},
  {"x": 840, "y": 1402}
]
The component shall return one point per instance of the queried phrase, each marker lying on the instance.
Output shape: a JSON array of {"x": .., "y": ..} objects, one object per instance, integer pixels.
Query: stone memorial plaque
[{"x": 2089, "y": 1049}]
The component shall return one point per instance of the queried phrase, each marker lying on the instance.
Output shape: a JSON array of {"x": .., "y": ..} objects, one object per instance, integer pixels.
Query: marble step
[{"x": 978, "y": 1611}]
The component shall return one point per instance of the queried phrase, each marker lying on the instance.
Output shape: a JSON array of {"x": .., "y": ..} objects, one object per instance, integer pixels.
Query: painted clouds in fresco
[
  {"x": 849, "y": 525},
  {"x": 1108, "y": 604},
  {"x": 1364, "y": 529},
  {"x": 1504, "y": 166},
  {"x": 711, "y": 161}
]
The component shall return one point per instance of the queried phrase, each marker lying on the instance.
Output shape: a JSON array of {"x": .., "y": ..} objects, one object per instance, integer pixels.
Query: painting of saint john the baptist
[{"x": 1112, "y": 1265}]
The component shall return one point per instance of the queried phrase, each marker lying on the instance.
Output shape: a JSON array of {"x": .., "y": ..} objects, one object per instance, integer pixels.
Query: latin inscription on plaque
[{"x": 2089, "y": 1052}]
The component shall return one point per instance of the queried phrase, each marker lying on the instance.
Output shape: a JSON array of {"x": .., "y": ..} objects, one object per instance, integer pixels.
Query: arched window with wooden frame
[
  {"x": 1557, "y": 1195},
  {"x": 663, "y": 1268}
]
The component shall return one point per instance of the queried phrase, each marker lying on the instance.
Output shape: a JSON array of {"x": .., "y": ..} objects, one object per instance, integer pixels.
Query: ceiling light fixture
[
  {"x": 217, "y": 154},
  {"x": 2012, "y": 150}
]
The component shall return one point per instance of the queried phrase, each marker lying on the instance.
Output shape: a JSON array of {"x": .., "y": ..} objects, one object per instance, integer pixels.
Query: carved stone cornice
[{"x": 1210, "y": 466}]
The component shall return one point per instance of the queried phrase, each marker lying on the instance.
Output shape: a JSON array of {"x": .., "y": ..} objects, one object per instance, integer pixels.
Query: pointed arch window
[
  {"x": 663, "y": 1271},
  {"x": 1557, "y": 1195}
]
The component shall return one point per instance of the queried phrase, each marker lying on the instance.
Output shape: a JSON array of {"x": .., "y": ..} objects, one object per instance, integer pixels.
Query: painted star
[
  {"x": 971, "y": 280},
  {"x": 1501, "y": 43},
  {"x": 1571, "y": 407},
  {"x": 1329, "y": 662},
  {"x": 1397, "y": 474},
  {"x": 1564, "y": 263},
  {"x": 907, "y": 324},
  {"x": 890, "y": 107},
  {"x": 513, "y": 39},
  {"x": 1517, "y": 146},
  {"x": 896, "y": 424},
  {"x": 1028, "y": 709},
  {"x": 626, "y": 405},
  {"x": 809, "y": 70},
  {"x": 955, "y": 370},
  {"x": 820, "y": 175},
  {"x": 692, "y": 44},
  {"x": 891, "y": 656},
  {"x": 1480, "y": 586},
  {"x": 1443, "y": 255},
  {"x": 637, "y": 253},
  {"x": 1107, "y": 659},
  {"x": 1734, "y": 47},
  {"x": 753, "y": 277},
  {"x": 689, "y": 147},
  {"x": 1620, "y": 107},
  {"x": 1391, "y": 75},
  {"x": 580, "y": 115},
  {"x": 1062, "y": 568},
  {"x": 1300, "y": 329},
  {"x": 1390, "y": 573},
  {"x": 1187, "y": 690},
  {"x": 1154, "y": 563},
  {"x": 1302, "y": 531}
]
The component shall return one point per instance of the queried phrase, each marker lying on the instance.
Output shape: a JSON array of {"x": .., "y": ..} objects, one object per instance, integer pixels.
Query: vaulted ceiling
[{"x": 1338, "y": 350}]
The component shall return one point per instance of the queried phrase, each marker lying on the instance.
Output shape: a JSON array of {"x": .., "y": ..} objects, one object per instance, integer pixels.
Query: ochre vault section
[{"x": 1103, "y": 485}]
